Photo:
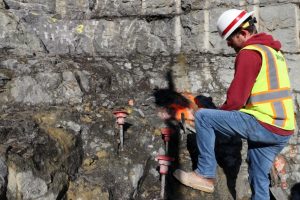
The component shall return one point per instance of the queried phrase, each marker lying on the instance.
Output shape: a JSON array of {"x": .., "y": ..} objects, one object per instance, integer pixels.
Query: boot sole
[
  {"x": 202, "y": 188},
  {"x": 196, "y": 187}
]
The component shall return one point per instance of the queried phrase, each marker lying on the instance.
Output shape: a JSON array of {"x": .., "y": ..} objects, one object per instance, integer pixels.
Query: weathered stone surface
[
  {"x": 3, "y": 176},
  {"x": 219, "y": 3},
  {"x": 133, "y": 36},
  {"x": 283, "y": 26},
  {"x": 66, "y": 35},
  {"x": 2, "y": 5},
  {"x": 297, "y": 102},
  {"x": 73, "y": 9},
  {"x": 207, "y": 74},
  {"x": 188, "y": 5},
  {"x": 26, "y": 185},
  {"x": 26, "y": 89},
  {"x": 157, "y": 7},
  {"x": 242, "y": 186},
  {"x": 32, "y": 5},
  {"x": 66, "y": 65},
  {"x": 293, "y": 65},
  {"x": 83, "y": 80},
  {"x": 193, "y": 32},
  {"x": 46, "y": 88},
  {"x": 104, "y": 8},
  {"x": 204, "y": 75},
  {"x": 69, "y": 89},
  {"x": 15, "y": 38},
  {"x": 88, "y": 9},
  {"x": 268, "y": 2},
  {"x": 135, "y": 176},
  {"x": 83, "y": 190},
  {"x": 40, "y": 160},
  {"x": 223, "y": 70},
  {"x": 206, "y": 4},
  {"x": 99, "y": 9},
  {"x": 107, "y": 38}
]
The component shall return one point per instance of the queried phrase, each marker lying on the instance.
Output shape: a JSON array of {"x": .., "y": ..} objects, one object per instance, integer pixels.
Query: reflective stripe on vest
[
  {"x": 272, "y": 76},
  {"x": 273, "y": 83},
  {"x": 279, "y": 109},
  {"x": 271, "y": 95}
]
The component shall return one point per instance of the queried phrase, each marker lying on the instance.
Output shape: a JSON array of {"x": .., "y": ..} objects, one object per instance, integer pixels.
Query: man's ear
[{"x": 244, "y": 33}]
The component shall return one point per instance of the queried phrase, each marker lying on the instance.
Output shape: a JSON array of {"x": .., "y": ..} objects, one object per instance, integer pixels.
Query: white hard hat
[{"x": 230, "y": 20}]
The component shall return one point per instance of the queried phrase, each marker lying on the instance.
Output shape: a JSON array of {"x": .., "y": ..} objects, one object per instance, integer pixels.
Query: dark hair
[{"x": 251, "y": 28}]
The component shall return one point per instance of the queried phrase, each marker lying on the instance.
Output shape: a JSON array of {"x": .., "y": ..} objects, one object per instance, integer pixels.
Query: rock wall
[{"x": 66, "y": 65}]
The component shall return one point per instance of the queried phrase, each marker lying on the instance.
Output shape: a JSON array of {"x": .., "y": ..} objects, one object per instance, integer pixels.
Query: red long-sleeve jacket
[{"x": 247, "y": 66}]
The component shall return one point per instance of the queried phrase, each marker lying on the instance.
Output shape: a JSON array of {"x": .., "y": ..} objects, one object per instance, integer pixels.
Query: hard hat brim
[{"x": 237, "y": 24}]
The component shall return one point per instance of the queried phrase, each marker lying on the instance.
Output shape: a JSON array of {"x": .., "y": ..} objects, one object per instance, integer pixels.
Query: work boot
[{"x": 194, "y": 180}]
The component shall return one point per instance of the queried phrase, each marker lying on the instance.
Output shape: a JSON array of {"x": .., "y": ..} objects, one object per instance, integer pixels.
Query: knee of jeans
[{"x": 199, "y": 114}]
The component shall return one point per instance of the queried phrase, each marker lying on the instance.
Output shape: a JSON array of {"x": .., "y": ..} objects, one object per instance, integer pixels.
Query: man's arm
[{"x": 247, "y": 66}]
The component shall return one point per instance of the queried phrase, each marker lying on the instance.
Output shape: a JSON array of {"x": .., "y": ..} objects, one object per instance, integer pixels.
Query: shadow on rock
[
  {"x": 164, "y": 99},
  {"x": 229, "y": 158},
  {"x": 227, "y": 150},
  {"x": 295, "y": 192}
]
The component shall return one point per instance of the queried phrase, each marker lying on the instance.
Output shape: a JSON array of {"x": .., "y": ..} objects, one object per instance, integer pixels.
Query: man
[{"x": 258, "y": 107}]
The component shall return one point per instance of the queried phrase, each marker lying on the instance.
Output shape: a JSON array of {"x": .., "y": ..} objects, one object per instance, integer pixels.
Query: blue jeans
[{"x": 263, "y": 145}]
